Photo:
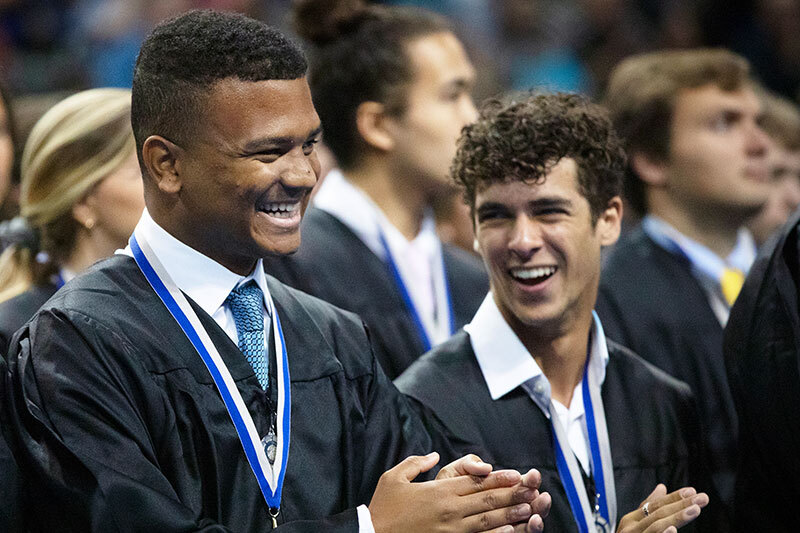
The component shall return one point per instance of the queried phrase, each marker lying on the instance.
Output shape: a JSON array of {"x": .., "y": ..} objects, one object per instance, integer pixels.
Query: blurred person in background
[
  {"x": 81, "y": 195},
  {"x": 392, "y": 88},
  {"x": 8, "y": 148},
  {"x": 697, "y": 171},
  {"x": 782, "y": 124},
  {"x": 10, "y": 510}
]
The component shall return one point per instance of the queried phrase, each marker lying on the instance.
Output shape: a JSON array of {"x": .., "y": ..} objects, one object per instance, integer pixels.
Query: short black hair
[
  {"x": 359, "y": 54},
  {"x": 520, "y": 137},
  {"x": 185, "y": 56}
]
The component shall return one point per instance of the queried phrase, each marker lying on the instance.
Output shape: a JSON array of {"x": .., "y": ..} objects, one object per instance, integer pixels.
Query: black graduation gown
[
  {"x": 13, "y": 315},
  {"x": 117, "y": 425},
  {"x": 762, "y": 352},
  {"x": 652, "y": 424},
  {"x": 335, "y": 265},
  {"x": 19, "y": 309},
  {"x": 650, "y": 302}
]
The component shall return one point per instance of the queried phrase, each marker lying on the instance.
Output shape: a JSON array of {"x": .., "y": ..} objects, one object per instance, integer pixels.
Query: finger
[
  {"x": 541, "y": 505},
  {"x": 535, "y": 524},
  {"x": 496, "y": 518},
  {"x": 464, "y": 485},
  {"x": 677, "y": 520},
  {"x": 410, "y": 467},
  {"x": 468, "y": 465},
  {"x": 502, "y": 529},
  {"x": 532, "y": 479},
  {"x": 676, "y": 514},
  {"x": 672, "y": 497},
  {"x": 657, "y": 493},
  {"x": 488, "y": 500}
]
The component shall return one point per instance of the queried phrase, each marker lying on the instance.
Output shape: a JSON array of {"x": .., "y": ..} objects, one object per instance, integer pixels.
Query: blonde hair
[{"x": 74, "y": 146}]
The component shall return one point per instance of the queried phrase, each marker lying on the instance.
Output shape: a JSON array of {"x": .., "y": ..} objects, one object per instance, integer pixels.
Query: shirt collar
[
  {"x": 702, "y": 258},
  {"x": 201, "y": 278},
  {"x": 353, "y": 207},
  {"x": 505, "y": 362}
]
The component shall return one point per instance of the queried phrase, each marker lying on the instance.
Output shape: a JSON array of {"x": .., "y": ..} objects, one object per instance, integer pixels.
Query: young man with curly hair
[{"x": 532, "y": 379}]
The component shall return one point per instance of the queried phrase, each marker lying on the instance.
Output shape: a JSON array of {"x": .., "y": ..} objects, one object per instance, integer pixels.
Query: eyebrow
[
  {"x": 533, "y": 205},
  {"x": 259, "y": 145}
]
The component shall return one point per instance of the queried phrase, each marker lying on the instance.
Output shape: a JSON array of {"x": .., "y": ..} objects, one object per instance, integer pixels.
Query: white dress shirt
[
  {"x": 506, "y": 364},
  {"x": 419, "y": 261},
  {"x": 209, "y": 283}
]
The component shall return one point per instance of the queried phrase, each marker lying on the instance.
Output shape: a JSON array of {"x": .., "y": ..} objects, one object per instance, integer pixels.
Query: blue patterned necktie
[{"x": 246, "y": 304}]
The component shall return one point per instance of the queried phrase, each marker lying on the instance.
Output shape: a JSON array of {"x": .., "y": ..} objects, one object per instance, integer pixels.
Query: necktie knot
[{"x": 246, "y": 304}]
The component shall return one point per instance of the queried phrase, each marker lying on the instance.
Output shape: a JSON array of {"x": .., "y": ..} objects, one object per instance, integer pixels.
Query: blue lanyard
[
  {"x": 187, "y": 319},
  {"x": 603, "y": 516},
  {"x": 412, "y": 309}
]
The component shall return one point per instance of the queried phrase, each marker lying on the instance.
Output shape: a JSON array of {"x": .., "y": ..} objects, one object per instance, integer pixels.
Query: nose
[
  {"x": 300, "y": 170},
  {"x": 469, "y": 113},
  {"x": 757, "y": 141},
  {"x": 525, "y": 238}
]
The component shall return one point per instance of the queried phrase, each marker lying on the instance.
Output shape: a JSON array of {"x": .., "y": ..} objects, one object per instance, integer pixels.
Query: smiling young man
[
  {"x": 532, "y": 379},
  {"x": 698, "y": 170},
  {"x": 161, "y": 390},
  {"x": 392, "y": 87}
]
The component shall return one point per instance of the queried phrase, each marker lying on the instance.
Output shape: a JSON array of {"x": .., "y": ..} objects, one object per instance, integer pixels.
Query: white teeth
[
  {"x": 532, "y": 273},
  {"x": 281, "y": 209}
]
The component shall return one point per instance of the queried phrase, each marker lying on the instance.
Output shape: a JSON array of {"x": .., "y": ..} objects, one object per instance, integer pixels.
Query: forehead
[
  {"x": 560, "y": 182},
  {"x": 701, "y": 102},
  {"x": 439, "y": 58},
  {"x": 238, "y": 110}
]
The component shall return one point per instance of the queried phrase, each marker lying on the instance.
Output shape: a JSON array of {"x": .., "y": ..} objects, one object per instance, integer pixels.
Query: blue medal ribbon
[
  {"x": 406, "y": 295},
  {"x": 271, "y": 485},
  {"x": 603, "y": 517}
]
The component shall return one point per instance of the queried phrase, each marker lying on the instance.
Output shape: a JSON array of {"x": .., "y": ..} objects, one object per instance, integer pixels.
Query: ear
[
  {"x": 83, "y": 211},
  {"x": 371, "y": 121},
  {"x": 649, "y": 170},
  {"x": 162, "y": 159},
  {"x": 609, "y": 224}
]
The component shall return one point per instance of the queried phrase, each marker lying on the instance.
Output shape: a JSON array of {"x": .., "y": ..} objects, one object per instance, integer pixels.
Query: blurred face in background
[
  {"x": 717, "y": 161},
  {"x": 438, "y": 105},
  {"x": 6, "y": 152},
  {"x": 116, "y": 204},
  {"x": 784, "y": 197}
]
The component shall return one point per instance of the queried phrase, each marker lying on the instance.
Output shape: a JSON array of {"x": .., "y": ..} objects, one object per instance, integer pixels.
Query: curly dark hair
[
  {"x": 359, "y": 55},
  {"x": 184, "y": 56},
  {"x": 522, "y": 136}
]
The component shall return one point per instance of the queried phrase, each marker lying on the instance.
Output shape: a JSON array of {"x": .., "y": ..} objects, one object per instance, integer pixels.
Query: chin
[{"x": 280, "y": 247}]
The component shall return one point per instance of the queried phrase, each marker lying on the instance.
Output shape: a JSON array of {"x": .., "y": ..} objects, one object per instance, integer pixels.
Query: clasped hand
[{"x": 466, "y": 496}]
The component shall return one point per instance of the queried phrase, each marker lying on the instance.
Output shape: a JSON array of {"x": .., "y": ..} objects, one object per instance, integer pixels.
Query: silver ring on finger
[{"x": 645, "y": 509}]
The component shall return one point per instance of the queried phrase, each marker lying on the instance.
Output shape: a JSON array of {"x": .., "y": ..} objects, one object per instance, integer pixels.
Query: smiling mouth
[
  {"x": 280, "y": 209},
  {"x": 533, "y": 276}
]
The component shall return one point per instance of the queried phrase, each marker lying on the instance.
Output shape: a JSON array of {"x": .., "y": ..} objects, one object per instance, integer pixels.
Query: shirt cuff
[{"x": 364, "y": 520}]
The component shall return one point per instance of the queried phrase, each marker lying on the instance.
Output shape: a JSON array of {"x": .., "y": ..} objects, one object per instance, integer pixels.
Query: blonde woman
[{"x": 81, "y": 195}]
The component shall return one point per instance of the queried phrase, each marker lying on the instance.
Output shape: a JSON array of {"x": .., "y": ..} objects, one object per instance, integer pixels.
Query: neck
[
  {"x": 206, "y": 241},
  {"x": 715, "y": 232},
  {"x": 88, "y": 249},
  {"x": 402, "y": 205},
  {"x": 561, "y": 357}
]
